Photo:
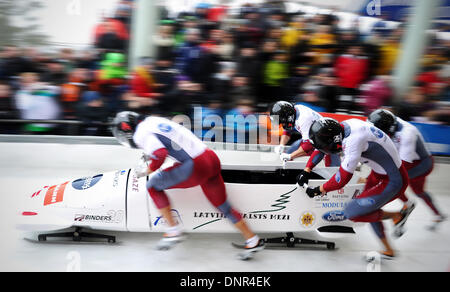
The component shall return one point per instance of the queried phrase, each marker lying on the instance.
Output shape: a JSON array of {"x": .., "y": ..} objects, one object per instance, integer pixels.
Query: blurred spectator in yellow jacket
[
  {"x": 389, "y": 51},
  {"x": 292, "y": 34},
  {"x": 322, "y": 42}
]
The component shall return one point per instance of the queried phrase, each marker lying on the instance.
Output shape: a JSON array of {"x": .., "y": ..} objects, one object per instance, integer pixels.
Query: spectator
[
  {"x": 389, "y": 51},
  {"x": 54, "y": 73},
  {"x": 12, "y": 63},
  {"x": 346, "y": 39},
  {"x": 414, "y": 106},
  {"x": 164, "y": 40},
  {"x": 351, "y": 71},
  {"x": 110, "y": 80},
  {"x": 226, "y": 48},
  {"x": 190, "y": 56},
  {"x": 92, "y": 111},
  {"x": 328, "y": 91},
  {"x": 293, "y": 33},
  {"x": 111, "y": 36},
  {"x": 87, "y": 60},
  {"x": 222, "y": 82},
  {"x": 31, "y": 60},
  {"x": 240, "y": 90},
  {"x": 322, "y": 42},
  {"x": 164, "y": 75},
  {"x": 204, "y": 59},
  {"x": 376, "y": 93},
  {"x": 23, "y": 97},
  {"x": 188, "y": 23},
  {"x": 295, "y": 83},
  {"x": 142, "y": 105},
  {"x": 7, "y": 109},
  {"x": 181, "y": 99},
  {"x": 248, "y": 64},
  {"x": 37, "y": 101},
  {"x": 429, "y": 77},
  {"x": 72, "y": 91},
  {"x": 123, "y": 13},
  {"x": 276, "y": 71},
  {"x": 142, "y": 81},
  {"x": 66, "y": 58},
  {"x": 214, "y": 39}
]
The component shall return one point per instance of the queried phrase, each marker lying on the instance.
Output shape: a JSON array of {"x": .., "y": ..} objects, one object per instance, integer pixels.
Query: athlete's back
[{"x": 155, "y": 132}]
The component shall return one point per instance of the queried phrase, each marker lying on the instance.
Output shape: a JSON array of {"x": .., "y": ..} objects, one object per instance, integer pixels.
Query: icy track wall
[
  {"x": 67, "y": 154},
  {"x": 98, "y": 154}
]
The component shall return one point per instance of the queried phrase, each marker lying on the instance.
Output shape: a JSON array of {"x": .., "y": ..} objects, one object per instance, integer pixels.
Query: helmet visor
[
  {"x": 124, "y": 138},
  {"x": 287, "y": 123}
]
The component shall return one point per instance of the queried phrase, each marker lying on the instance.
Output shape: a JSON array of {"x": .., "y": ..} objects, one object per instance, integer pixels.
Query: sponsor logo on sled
[
  {"x": 334, "y": 205},
  {"x": 55, "y": 194},
  {"x": 86, "y": 182},
  {"x": 117, "y": 174},
  {"x": 111, "y": 216},
  {"x": 175, "y": 214},
  {"x": 271, "y": 213},
  {"x": 334, "y": 216},
  {"x": 92, "y": 218},
  {"x": 307, "y": 219}
]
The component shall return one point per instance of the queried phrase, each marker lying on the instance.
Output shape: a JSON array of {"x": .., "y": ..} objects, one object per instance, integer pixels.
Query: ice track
[{"x": 418, "y": 250}]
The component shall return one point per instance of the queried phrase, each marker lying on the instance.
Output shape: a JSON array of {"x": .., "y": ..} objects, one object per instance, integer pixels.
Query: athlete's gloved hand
[
  {"x": 285, "y": 157},
  {"x": 279, "y": 149},
  {"x": 141, "y": 169},
  {"x": 313, "y": 192},
  {"x": 303, "y": 178}
]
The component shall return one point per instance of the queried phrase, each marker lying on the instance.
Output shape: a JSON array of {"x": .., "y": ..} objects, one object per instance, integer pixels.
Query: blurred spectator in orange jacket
[{"x": 73, "y": 90}]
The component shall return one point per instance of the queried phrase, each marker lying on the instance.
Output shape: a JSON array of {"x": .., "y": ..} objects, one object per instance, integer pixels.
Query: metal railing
[{"x": 73, "y": 127}]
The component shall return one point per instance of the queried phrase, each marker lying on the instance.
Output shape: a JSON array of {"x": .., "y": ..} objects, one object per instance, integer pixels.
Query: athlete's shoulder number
[{"x": 377, "y": 132}]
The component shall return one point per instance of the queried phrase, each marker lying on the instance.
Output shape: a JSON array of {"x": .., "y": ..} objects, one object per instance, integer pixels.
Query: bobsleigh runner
[{"x": 257, "y": 183}]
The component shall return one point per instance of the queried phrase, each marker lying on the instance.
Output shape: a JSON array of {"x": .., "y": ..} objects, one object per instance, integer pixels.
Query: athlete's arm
[
  {"x": 157, "y": 159},
  {"x": 315, "y": 158}
]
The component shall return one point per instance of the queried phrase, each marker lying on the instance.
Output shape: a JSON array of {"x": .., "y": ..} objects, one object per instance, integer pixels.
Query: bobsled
[{"x": 258, "y": 185}]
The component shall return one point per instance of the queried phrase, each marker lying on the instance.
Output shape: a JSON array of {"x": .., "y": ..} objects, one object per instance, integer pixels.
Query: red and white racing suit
[
  {"x": 196, "y": 164},
  {"x": 304, "y": 118},
  {"x": 388, "y": 180},
  {"x": 416, "y": 158}
]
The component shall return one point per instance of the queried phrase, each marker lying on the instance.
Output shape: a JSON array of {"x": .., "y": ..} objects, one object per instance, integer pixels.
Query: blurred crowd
[{"x": 224, "y": 62}]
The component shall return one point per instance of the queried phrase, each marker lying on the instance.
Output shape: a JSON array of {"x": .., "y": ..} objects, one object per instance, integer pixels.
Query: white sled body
[{"x": 257, "y": 184}]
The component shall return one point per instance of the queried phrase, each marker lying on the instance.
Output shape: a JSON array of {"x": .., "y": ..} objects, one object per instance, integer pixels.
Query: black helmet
[
  {"x": 285, "y": 112},
  {"x": 326, "y": 135},
  {"x": 124, "y": 126},
  {"x": 384, "y": 120}
]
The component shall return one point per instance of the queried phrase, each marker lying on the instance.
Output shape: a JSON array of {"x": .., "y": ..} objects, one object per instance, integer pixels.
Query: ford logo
[{"x": 334, "y": 216}]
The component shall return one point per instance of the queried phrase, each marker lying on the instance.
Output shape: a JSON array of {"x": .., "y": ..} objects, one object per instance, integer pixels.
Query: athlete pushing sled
[
  {"x": 414, "y": 154},
  {"x": 362, "y": 142},
  {"x": 297, "y": 118},
  {"x": 196, "y": 165}
]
